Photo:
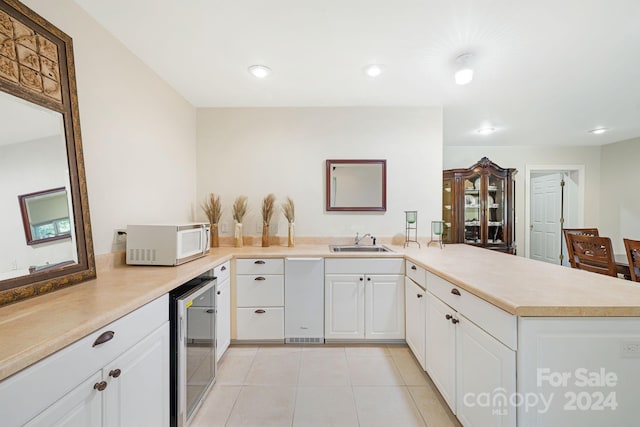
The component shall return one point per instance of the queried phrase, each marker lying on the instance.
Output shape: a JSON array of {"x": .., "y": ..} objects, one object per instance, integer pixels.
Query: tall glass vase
[
  {"x": 291, "y": 240},
  {"x": 237, "y": 236},
  {"x": 265, "y": 235},
  {"x": 215, "y": 241}
]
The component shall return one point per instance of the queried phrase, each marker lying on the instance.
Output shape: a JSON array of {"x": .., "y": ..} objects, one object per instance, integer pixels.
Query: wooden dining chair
[
  {"x": 593, "y": 254},
  {"x": 633, "y": 255},
  {"x": 578, "y": 231}
]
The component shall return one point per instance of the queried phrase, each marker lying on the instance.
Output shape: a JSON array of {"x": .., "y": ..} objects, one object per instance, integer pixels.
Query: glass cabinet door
[
  {"x": 448, "y": 210},
  {"x": 472, "y": 209},
  {"x": 496, "y": 209}
]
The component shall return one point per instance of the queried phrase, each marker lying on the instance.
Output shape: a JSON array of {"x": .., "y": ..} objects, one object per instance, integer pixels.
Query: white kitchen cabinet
[
  {"x": 344, "y": 306},
  {"x": 468, "y": 363},
  {"x": 260, "y": 299},
  {"x": 122, "y": 381},
  {"x": 415, "y": 312},
  {"x": 440, "y": 354},
  {"x": 223, "y": 301},
  {"x": 364, "y": 299}
]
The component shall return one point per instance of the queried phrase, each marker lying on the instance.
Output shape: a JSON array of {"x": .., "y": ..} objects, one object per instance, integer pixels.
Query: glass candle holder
[
  {"x": 437, "y": 227},
  {"x": 412, "y": 216}
]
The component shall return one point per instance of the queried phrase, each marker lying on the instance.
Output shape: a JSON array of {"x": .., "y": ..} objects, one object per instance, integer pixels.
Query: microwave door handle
[{"x": 204, "y": 249}]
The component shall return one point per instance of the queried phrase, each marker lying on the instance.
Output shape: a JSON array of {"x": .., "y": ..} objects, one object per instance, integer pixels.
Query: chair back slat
[
  {"x": 578, "y": 231},
  {"x": 633, "y": 256},
  {"x": 593, "y": 254}
]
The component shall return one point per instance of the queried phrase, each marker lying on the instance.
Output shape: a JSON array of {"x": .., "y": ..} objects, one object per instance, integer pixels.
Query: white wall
[
  {"x": 256, "y": 151},
  {"x": 138, "y": 134},
  {"x": 619, "y": 195},
  {"x": 518, "y": 157}
]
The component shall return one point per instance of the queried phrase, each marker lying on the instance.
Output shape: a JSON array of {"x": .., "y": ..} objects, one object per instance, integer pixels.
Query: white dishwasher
[{"x": 304, "y": 300}]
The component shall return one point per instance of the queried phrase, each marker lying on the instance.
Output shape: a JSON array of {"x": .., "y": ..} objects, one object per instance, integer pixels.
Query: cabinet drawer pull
[
  {"x": 455, "y": 291},
  {"x": 259, "y": 262},
  {"x": 210, "y": 311},
  {"x": 259, "y": 278},
  {"x": 448, "y": 317},
  {"x": 223, "y": 268},
  {"x": 419, "y": 295},
  {"x": 100, "y": 386},
  {"x": 103, "y": 338},
  {"x": 115, "y": 373},
  {"x": 361, "y": 279},
  {"x": 368, "y": 279},
  {"x": 260, "y": 311},
  {"x": 413, "y": 267},
  {"x": 454, "y": 321}
]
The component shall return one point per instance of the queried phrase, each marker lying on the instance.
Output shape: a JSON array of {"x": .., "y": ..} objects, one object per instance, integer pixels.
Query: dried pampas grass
[
  {"x": 240, "y": 208},
  {"x": 288, "y": 210},
  {"x": 268, "y": 203},
  {"x": 212, "y": 208}
]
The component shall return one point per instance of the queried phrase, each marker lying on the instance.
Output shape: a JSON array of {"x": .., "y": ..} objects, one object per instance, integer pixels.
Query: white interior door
[{"x": 546, "y": 211}]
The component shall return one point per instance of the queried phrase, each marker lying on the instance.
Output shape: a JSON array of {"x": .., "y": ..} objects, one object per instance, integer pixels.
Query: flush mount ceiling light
[
  {"x": 464, "y": 72},
  {"x": 373, "y": 70},
  {"x": 260, "y": 71},
  {"x": 486, "y": 130},
  {"x": 598, "y": 131}
]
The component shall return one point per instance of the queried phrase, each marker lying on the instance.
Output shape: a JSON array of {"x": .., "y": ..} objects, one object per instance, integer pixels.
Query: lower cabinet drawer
[
  {"x": 260, "y": 323},
  {"x": 266, "y": 290}
]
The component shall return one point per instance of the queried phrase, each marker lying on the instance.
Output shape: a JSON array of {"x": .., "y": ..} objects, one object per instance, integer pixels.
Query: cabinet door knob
[
  {"x": 259, "y": 278},
  {"x": 115, "y": 373},
  {"x": 361, "y": 279},
  {"x": 448, "y": 317},
  {"x": 260, "y": 311},
  {"x": 455, "y": 291},
  {"x": 368, "y": 279},
  {"x": 413, "y": 267},
  {"x": 259, "y": 262},
  {"x": 103, "y": 338},
  {"x": 218, "y": 292},
  {"x": 454, "y": 321},
  {"x": 100, "y": 386},
  {"x": 419, "y": 295}
]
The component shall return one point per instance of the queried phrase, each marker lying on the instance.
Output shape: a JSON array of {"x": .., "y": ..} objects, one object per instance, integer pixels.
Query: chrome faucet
[{"x": 358, "y": 239}]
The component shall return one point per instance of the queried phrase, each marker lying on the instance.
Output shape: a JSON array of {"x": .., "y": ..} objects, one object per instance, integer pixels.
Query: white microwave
[{"x": 166, "y": 244}]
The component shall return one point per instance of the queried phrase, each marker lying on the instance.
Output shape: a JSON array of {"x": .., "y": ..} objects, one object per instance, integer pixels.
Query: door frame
[{"x": 534, "y": 168}]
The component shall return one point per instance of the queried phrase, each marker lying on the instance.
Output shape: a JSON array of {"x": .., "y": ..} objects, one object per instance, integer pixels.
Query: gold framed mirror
[{"x": 41, "y": 148}]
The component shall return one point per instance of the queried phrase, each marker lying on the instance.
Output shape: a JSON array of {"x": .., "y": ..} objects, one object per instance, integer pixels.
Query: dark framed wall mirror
[
  {"x": 356, "y": 185},
  {"x": 44, "y": 247}
]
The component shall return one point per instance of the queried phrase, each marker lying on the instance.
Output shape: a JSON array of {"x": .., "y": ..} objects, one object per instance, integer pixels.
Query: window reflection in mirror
[
  {"x": 33, "y": 157},
  {"x": 45, "y": 215},
  {"x": 356, "y": 185}
]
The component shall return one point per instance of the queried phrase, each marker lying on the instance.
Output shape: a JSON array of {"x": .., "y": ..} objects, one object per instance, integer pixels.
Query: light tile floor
[{"x": 322, "y": 385}]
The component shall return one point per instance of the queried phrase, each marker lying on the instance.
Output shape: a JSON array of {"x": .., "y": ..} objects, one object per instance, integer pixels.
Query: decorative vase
[
  {"x": 265, "y": 235},
  {"x": 292, "y": 235},
  {"x": 215, "y": 242},
  {"x": 237, "y": 236}
]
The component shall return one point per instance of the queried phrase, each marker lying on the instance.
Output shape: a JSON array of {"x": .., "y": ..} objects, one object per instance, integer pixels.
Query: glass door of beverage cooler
[{"x": 473, "y": 217}]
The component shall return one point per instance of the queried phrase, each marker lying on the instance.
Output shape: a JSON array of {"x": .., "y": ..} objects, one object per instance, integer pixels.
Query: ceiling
[
  {"x": 40, "y": 122},
  {"x": 546, "y": 71}
]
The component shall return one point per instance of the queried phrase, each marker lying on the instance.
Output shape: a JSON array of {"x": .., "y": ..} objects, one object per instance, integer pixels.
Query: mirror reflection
[
  {"x": 33, "y": 157},
  {"x": 356, "y": 185}
]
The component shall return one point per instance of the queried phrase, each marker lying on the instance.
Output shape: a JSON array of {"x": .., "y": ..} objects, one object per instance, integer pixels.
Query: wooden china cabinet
[{"x": 478, "y": 206}]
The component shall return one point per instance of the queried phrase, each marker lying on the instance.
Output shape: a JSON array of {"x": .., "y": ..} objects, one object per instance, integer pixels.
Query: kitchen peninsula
[{"x": 553, "y": 321}]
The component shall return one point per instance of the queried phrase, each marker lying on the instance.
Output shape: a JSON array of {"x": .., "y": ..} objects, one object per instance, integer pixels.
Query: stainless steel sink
[{"x": 359, "y": 248}]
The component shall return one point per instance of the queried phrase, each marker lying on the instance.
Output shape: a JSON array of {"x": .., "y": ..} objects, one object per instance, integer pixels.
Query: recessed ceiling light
[
  {"x": 464, "y": 73},
  {"x": 260, "y": 71},
  {"x": 598, "y": 131},
  {"x": 486, "y": 130},
  {"x": 373, "y": 70}
]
